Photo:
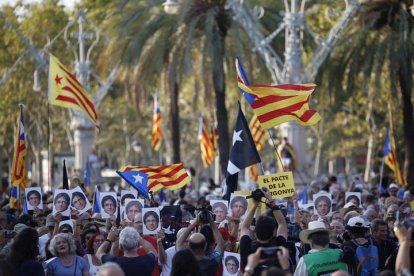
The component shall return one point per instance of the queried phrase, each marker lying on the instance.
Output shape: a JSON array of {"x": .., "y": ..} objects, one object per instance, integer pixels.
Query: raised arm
[
  {"x": 217, "y": 236},
  {"x": 180, "y": 241},
  {"x": 112, "y": 236},
  {"x": 245, "y": 226},
  {"x": 404, "y": 235},
  {"x": 162, "y": 256},
  {"x": 282, "y": 228}
]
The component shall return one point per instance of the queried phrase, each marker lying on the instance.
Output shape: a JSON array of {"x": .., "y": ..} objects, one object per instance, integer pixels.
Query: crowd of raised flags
[
  {"x": 312, "y": 209},
  {"x": 272, "y": 105}
]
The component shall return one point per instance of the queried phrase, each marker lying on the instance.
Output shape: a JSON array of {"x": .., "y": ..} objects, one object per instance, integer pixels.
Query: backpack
[{"x": 367, "y": 259}]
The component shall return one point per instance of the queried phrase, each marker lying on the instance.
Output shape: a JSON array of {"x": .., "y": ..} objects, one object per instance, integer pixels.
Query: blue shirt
[{"x": 56, "y": 268}]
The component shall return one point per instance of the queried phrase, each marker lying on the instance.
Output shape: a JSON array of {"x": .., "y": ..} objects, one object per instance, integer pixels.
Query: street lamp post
[{"x": 83, "y": 128}]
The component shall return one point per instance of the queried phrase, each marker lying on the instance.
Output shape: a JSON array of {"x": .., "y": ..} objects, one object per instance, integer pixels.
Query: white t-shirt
[
  {"x": 42, "y": 244},
  {"x": 166, "y": 268}
]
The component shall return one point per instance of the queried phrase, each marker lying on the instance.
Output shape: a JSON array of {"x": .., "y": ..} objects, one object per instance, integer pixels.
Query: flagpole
[
  {"x": 275, "y": 148},
  {"x": 381, "y": 172}
]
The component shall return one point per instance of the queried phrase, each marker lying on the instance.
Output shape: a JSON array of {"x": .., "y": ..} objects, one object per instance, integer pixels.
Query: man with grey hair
[
  {"x": 131, "y": 262},
  {"x": 110, "y": 269}
]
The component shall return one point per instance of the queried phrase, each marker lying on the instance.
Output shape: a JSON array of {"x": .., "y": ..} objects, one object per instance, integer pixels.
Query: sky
[{"x": 67, "y": 3}]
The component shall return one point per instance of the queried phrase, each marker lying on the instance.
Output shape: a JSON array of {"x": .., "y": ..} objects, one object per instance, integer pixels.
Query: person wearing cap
[
  {"x": 350, "y": 206},
  {"x": 393, "y": 190},
  {"x": 321, "y": 259},
  {"x": 358, "y": 231}
]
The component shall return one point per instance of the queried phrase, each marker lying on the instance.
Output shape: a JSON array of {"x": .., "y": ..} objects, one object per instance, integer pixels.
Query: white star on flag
[
  {"x": 231, "y": 168},
  {"x": 138, "y": 178},
  {"x": 236, "y": 136}
]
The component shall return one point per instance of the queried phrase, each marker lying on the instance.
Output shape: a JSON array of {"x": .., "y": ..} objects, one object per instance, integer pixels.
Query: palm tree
[
  {"x": 385, "y": 37},
  {"x": 156, "y": 42}
]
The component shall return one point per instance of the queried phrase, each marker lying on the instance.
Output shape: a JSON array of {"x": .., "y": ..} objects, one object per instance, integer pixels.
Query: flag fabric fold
[
  {"x": 277, "y": 104},
  {"x": 206, "y": 142},
  {"x": 18, "y": 172},
  {"x": 154, "y": 178},
  {"x": 156, "y": 125},
  {"x": 66, "y": 91},
  {"x": 243, "y": 153},
  {"x": 390, "y": 158}
]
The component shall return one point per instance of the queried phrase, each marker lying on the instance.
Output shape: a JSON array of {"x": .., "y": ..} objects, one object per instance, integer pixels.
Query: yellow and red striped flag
[
  {"x": 259, "y": 137},
  {"x": 18, "y": 172},
  {"x": 214, "y": 140},
  {"x": 390, "y": 158},
  {"x": 156, "y": 125},
  {"x": 206, "y": 142},
  {"x": 277, "y": 104},
  {"x": 66, "y": 91},
  {"x": 154, "y": 178}
]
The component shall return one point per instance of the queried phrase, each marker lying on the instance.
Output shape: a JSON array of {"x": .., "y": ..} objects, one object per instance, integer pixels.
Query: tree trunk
[
  {"x": 175, "y": 123},
  {"x": 408, "y": 127},
  {"x": 221, "y": 111}
]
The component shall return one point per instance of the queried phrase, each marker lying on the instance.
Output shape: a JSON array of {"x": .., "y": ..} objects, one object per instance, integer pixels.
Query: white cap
[
  {"x": 357, "y": 221},
  {"x": 393, "y": 185}
]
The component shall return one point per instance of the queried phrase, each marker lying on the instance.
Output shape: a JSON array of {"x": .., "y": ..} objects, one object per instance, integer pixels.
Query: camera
[
  {"x": 256, "y": 195},
  {"x": 269, "y": 252},
  {"x": 205, "y": 214}
]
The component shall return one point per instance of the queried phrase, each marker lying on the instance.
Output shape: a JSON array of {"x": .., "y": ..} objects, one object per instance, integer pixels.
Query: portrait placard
[
  {"x": 109, "y": 204},
  {"x": 151, "y": 220},
  {"x": 231, "y": 264},
  {"x": 33, "y": 198},
  {"x": 61, "y": 202},
  {"x": 322, "y": 204},
  {"x": 132, "y": 207},
  {"x": 79, "y": 201}
]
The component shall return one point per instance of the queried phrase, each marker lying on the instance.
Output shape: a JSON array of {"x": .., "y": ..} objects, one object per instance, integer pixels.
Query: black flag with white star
[{"x": 243, "y": 153}]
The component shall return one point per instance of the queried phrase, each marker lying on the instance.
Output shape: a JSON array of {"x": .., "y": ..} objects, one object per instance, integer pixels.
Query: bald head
[
  {"x": 110, "y": 269},
  {"x": 197, "y": 243}
]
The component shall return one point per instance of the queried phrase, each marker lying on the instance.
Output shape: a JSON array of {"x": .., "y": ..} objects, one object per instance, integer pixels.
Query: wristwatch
[{"x": 248, "y": 269}]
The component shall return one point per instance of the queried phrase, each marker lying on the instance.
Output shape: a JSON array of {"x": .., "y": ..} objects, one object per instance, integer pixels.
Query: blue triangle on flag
[{"x": 136, "y": 179}]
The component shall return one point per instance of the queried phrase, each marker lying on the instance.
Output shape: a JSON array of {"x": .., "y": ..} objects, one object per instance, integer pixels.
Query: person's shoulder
[
  {"x": 108, "y": 258},
  {"x": 80, "y": 259},
  {"x": 279, "y": 241}
]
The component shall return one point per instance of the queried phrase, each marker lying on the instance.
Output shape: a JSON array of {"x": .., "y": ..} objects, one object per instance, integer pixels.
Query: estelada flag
[
  {"x": 277, "y": 104},
  {"x": 156, "y": 125},
  {"x": 206, "y": 142},
  {"x": 154, "y": 178},
  {"x": 390, "y": 158},
  {"x": 66, "y": 91},
  {"x": 18, "y": 172}
]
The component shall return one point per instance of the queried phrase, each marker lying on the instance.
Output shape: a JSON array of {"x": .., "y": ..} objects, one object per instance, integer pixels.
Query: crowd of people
[{"x": 327, "y": 229}]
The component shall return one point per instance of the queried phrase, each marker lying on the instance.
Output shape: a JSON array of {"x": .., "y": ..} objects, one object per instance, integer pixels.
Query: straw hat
[{"x": 313, "y": 227}]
